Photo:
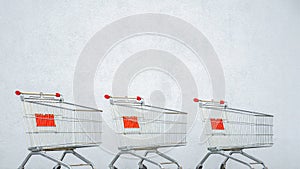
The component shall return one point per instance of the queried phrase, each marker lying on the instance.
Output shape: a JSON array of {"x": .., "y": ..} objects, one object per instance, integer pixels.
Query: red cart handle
[
  {"x": 107, "y": 96},
  {"x": 17, "y": 92},
  {"x": 199, "y": 100}
]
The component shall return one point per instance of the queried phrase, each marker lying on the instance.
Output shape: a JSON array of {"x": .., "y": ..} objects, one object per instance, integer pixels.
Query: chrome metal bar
[
  {"x": 44, "y": 155},
  {"x": 200, "y": 165},
  {"x": 82, "y": 158},
  {"x": 168, "y": 158},
  {"x": 111, "y": 165}
]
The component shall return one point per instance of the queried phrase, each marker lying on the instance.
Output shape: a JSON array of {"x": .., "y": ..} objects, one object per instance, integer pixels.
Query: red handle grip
[
  {"x": 107, "y": 96},
  {"x": 198, "y": 100},
  {"x": 17, "y": 92}
]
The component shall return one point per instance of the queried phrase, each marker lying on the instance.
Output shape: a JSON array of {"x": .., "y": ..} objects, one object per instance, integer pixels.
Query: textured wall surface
[{"x": 245, "y": 51}]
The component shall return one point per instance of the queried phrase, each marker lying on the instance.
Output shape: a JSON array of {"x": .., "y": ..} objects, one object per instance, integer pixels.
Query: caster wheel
[
  {"x": 57, "y": 167},
  {"x": 113, "y": 167},
  {"x": 143, "y": 167},
  {"x": 222, "y": 166},
  {"x": 200, "y": 167}
]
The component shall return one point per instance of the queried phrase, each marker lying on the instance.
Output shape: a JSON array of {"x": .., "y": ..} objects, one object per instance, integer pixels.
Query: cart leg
[
  {"x": 25, "y": 161},
  {"x": 142, "y": 160},
  {"x": 145, "y": 159},
  {"x": 63, "y": 155},
  {"x": 225, "y": 161},
  {"x": 44, "y": 155},
  {"x": 235, "y": 159},
  {"x": 200, "y": 165},
  {"x": 82, "y": 158},
  {"x": 53, "y": 159},
  {"x": 61, "y": 159},
  {"x": 168, "y": 158},
  {"x": 246, "y": 155},
  {"x": 253, "y": 158},
  {"x": 111, "y": 165},
  {"x": 76, "y": 155}
]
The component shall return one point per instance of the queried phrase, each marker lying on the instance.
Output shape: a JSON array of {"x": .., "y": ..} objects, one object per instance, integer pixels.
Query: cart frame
[
  {"x": 38, "y": 98},
  {"x": 133, "y": 102},
  {"x": 229, "y": 151}
]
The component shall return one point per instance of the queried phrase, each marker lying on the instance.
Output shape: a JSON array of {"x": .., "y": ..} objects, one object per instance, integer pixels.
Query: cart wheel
[
  {"x": 143, "y": 167},
  {"x": 113, "y": 167},
  {"x": 200, "y": 167},
  {"x": 222, "y": 166},
  {"x": 57, "y": 167}
]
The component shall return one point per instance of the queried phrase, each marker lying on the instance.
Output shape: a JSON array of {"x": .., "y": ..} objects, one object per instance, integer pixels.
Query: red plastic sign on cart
[
  {"x": 217, "y": 124},
  {"x": 130, "y": 122},
  {"x": 45, "y": 120}
]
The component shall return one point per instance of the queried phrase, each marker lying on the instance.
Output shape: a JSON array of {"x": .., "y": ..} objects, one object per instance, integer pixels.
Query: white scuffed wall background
[{"x": 257, "y": 43}]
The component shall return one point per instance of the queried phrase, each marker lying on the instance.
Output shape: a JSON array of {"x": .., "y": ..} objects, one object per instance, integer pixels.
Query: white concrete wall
[{"x": 257, "y": 44}]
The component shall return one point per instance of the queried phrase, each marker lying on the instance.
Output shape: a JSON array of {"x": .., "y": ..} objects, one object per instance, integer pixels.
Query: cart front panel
[
  {"x": 144, "y": 126},
  {"x": 228, "y": 128},
  {"x": 53, "y": 123}
]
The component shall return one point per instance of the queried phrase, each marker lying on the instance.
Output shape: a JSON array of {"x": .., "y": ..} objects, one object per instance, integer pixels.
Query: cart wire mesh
[
  {"x": 230, "y": 128},
  {"x": 52, "y": 123},
  {"x": 142, "y": 126}
]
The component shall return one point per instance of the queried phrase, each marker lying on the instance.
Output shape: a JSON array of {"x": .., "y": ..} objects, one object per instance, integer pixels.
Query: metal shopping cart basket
[
  {"x": 55, "y": 125},
  {"x": 233, "y": 130},
  {"x": 145, "y": 128}
]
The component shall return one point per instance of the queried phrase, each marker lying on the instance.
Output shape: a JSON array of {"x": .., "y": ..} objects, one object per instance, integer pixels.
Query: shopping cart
[
  {"x": 145, "y": 128},
  {"x": 233, "y": 130},
  {"x": 55, "y": 125}
]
